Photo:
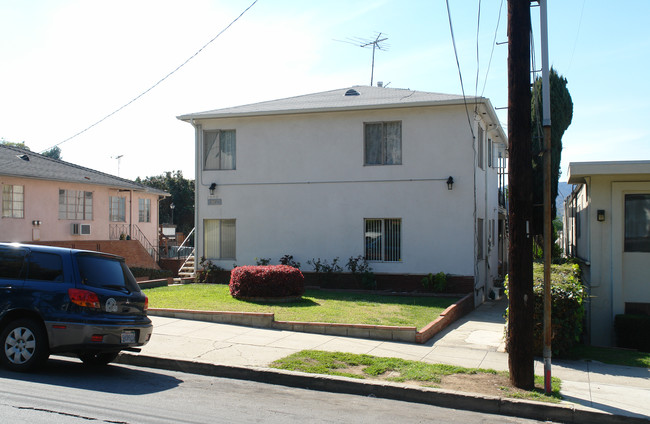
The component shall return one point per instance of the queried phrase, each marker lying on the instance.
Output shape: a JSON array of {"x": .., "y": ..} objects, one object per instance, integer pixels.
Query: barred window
[
  {"x": 383, "y": 239},
  {"x": 75, "y": 204},
  {"x": 13, "y": 201}
]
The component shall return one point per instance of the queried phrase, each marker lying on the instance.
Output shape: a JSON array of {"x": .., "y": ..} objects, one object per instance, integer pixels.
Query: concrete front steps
[{"x": 187, "y": 270}]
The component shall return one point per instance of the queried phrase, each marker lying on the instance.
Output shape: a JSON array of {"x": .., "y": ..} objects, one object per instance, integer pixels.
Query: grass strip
[{"x": 362, "y": 366}]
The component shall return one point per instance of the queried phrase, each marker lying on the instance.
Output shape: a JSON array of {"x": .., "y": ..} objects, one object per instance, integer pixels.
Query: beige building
[
  {"x": 607, "y": 226},
  {"x": 51, "y": 201}
]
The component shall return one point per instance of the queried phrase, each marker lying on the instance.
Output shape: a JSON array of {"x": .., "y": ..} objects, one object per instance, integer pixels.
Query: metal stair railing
[
  {"x": 149, "y": 247},
  {"x": 191, "y": 255}
]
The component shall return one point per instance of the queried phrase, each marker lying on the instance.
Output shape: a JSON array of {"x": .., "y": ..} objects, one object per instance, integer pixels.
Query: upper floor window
[
  {"x": 75, "y": 204},
  {"x": 117, "y": 209},
  {"x": 144, "y": 210},
  {"x": 219, "y": 149},
  {"x": 383, "y": 143},
  {"x": 13, "y": 201}
]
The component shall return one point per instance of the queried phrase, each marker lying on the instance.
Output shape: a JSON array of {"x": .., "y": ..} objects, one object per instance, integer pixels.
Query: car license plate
[{"x": 128, "y": 336}]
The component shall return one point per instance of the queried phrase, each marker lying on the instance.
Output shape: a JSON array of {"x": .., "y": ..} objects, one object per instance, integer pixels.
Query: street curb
[
  {"x": 429, "y": 396},
  {"x": 374, "y": 332}
]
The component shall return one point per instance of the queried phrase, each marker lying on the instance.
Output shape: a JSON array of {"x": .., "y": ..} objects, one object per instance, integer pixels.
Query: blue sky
[{"x": 67, "y": 64}]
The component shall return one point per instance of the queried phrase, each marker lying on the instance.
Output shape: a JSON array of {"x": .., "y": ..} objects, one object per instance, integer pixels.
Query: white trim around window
[{"x": 13, "y": 201}]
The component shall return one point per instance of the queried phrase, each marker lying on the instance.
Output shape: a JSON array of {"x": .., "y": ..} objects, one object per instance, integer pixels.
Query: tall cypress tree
[{"x": 561, "y": 116}]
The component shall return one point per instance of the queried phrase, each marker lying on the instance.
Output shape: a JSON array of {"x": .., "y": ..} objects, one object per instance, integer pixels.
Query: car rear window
[
  {"x": 45, "y": 267},
  {"x": 105, "y": 272},
  {"x": 12, "y": 263}
]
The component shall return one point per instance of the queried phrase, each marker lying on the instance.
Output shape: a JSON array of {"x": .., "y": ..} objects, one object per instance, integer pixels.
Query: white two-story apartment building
[{"x": 407, "y": 179}]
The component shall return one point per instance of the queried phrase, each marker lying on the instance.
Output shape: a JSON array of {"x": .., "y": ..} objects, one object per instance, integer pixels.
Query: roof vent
[
  {"x": 352, "y": 92},
  {"x": 23, "y": 157}
]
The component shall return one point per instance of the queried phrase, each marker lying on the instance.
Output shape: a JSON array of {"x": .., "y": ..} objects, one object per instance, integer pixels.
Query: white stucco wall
[{"x": 301, "y": 188}]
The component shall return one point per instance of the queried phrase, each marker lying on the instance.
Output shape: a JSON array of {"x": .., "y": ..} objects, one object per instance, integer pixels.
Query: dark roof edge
[{"x": 121, "y": 182}]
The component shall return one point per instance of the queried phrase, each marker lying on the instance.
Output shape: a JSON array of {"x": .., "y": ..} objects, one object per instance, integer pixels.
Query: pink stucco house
[{"x": 48, "y": 201}]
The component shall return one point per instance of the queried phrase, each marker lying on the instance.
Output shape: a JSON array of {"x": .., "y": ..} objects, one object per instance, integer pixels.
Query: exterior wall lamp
[
  {"x": 36, "y": 223},
  {"x": 450, "y": 183},
  {"x": 212, "y": 188},
  {"x": 600, "y": 215}
]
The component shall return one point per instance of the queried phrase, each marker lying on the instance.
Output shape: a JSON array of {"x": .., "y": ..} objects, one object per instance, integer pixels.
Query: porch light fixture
[
  {"x": 600, "y": 215},
  {"x": 212, "y": 188},
  {"x": 450, "y": 183},
  {"x": 36, "y": 223}
]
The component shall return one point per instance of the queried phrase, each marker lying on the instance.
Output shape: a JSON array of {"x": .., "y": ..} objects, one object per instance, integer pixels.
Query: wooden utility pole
[{"x": 520, "y": 273}]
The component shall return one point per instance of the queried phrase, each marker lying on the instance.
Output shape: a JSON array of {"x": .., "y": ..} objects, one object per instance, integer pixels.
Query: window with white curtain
[
  {"x": 637, "y": 222},
  {"x": 383, "y": 239},
  {"x": 383, "y": 143},
  {"x": 219, "y": 238},
  {"x": 117, "y": 209},
  {"x": 219, "y": 149},
  {"x": 13, "y": 201}
]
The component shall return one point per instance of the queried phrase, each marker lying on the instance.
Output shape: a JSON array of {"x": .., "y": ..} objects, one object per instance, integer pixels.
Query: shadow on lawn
[{"x": 313, "y": 297}]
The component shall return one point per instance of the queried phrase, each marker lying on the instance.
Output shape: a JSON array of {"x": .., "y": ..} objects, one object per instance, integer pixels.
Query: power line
[
  {"x": 478, "y": 67},
  {"x": 460, "y": 74},
  {"x": 494, "y": 43},
  {"x": 158, "y": 83}
]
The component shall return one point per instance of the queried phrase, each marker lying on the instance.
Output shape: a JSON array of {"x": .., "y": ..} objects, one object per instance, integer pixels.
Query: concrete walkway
[{"x": 474, "y": 341}]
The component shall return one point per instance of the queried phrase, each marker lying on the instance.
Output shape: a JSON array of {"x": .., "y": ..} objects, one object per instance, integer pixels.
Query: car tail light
[
  {"x": 146, "y": 303},
  {"x": 97, "y": 338},
  {"x": 84, "y": 298}
]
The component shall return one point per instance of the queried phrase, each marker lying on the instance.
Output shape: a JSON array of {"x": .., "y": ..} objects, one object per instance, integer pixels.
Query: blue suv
[{"x": 60, "y": 300}]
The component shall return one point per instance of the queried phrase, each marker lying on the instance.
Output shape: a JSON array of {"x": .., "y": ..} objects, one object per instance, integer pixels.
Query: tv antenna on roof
[
  {"x": 119, "y": 159},
  {"x": 356, "y": 41}
]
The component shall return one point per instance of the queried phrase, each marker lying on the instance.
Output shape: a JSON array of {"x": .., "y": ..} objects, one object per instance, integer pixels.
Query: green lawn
[{"x": 315, "y": 306}]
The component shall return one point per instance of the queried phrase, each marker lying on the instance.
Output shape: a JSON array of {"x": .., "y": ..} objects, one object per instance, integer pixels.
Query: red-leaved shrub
[{"x": 266, "y": 281}]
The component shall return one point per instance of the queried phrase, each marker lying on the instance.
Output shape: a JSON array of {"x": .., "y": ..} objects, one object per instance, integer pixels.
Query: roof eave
[{"x": 217, "y": 115}]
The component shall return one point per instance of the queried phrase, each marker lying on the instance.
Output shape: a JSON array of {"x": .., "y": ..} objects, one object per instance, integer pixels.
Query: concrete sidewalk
[{"x": 610, "y": 393}]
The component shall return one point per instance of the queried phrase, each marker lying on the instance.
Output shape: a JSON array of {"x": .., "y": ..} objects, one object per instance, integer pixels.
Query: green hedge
[
  {"x": 632, "y": 331},
  {"x": 153, "y": 274},
  {"x": 567, "y": 308}
]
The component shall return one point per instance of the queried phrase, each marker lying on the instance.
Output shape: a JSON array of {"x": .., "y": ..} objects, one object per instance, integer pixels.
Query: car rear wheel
[
  {"x": 24, "y": 345},
  {"x": 97, "y": 359}
]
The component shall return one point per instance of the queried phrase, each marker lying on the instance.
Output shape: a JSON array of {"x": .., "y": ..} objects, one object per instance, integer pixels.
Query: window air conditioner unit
[{"x": 80, "y": 229}]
